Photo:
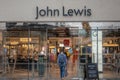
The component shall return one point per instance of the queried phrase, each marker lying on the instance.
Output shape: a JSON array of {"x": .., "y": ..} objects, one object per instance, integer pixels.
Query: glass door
[
  {"x": 66, "y": 37},
  {"x": 38, "y": 56},
  {"x": 2, "y": 56},
  {"x": 15, "y": 51},
  {"x": 111, "y": 53}
]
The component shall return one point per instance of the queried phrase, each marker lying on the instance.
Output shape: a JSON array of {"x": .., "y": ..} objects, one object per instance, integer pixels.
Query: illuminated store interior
[{"x": 86, "y": 42}]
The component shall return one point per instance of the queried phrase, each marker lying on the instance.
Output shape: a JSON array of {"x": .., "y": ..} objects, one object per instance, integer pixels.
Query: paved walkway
[{"x": 52, "y": 73}]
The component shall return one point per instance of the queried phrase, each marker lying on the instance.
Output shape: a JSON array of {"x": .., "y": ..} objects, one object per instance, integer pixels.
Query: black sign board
[{"x": 92, "y": 71}]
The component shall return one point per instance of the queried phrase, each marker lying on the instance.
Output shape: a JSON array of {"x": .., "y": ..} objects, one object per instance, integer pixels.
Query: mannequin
[{"x": 41, "y": 63}]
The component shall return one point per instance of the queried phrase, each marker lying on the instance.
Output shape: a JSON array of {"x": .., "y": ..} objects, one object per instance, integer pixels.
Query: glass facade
[{"x": 21, "y": 46}]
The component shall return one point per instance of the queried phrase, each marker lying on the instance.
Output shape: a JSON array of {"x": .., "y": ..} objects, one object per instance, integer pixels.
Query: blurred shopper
[
  {"x": 41, "y": 64},
  {"x": 75, "y": 56},
  {"x": 62, "y": 62},
  {"x": 52, "y": 60}
]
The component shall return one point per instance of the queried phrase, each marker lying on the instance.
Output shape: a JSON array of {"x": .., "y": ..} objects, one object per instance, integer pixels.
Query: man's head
[{"x": 61, "y": 49}]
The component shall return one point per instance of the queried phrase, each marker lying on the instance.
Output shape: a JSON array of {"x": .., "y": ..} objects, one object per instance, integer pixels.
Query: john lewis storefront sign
[
  {"x": 59, "y": 10},
  {"x": 48, "y": 12}
]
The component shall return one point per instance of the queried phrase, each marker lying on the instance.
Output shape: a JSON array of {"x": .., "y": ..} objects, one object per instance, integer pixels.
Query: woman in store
[
  {"x": 52, "y": 59},
  {"x": 74, "y": 57}
]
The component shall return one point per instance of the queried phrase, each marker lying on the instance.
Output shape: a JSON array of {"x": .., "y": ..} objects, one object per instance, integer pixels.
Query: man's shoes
[{"x": 63, "y": 79}]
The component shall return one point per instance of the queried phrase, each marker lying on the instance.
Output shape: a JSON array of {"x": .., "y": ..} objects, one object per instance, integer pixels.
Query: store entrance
[
  {"x": 30, "y": 50},
  {"x": 27, "y": 51},
  {"x": 66, "y": 37},
  {"x": 15, "y": 49},
  {"x": 22, "y": 46}
]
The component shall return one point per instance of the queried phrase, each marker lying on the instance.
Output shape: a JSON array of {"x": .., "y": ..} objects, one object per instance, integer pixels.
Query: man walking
[{"x": 62, "y": 62}]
